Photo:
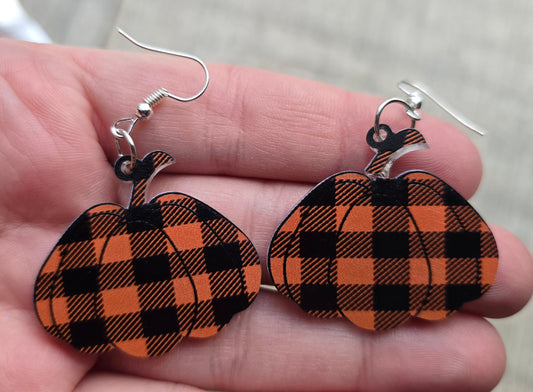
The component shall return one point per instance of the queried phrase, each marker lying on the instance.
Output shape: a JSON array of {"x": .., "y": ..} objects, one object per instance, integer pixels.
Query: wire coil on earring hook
[
  {"x": 145, "y": 108},
  {"x": 156, "y": 97}
]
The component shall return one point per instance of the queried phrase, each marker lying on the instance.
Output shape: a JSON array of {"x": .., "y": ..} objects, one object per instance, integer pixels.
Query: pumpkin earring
[
  {"x": 143, "y": 278},
  {"x": 379, "y": 250}
]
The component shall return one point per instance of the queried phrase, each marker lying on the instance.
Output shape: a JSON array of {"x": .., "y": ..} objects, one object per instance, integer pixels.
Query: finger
[
  {"x": 258, "y": 207},
  {"x": 32, "y": 360},
  {"x": 254, "y": 123},
  {"x": 513, "y": 285},
  {"x": 109, "y": 382},
  {"x": 274, "y": 346},
  {"x": 49, "y": 150}
]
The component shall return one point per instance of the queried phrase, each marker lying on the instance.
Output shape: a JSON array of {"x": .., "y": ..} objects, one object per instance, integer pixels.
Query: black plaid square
[
  {"x": 88, "y": 333},
  {"x": 318, "y": 297},
  {"x": 143, "y": 218},
  {"x": 154, "y": 268},
  {"x": 326, "y": 196},
  {"x": 321, "y": 244},
  {"x": 159, "y": 321},
  {"x": 206, "y": 213},
  {"x": 80, "y": 280},
  {"x": 224, "y": 308},
  {"x": 79, "y": 230},
  {"x": 391, "y": 297},
  {"x": 452, "y": 198},
  {"x": 390, "y": 244},
  {"x": 222, "y": 257},
  {"x": 387, "y": 192},
  {"x": 458, "y": 294},
  {"x": 462, "y": 244}
]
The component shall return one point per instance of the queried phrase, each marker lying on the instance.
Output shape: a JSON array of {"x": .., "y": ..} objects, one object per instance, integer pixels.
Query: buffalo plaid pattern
[
  {"x": 143, "y": 278},
  {"x": 379, "y": 251}
]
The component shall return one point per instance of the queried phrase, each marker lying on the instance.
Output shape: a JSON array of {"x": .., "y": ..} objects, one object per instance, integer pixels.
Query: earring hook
[
  {"x": 173, "y": 53},
  {"x": 144, "y": 109},
  {"x": 415, "y": 95},
  {"x": 414, "y": 91}
]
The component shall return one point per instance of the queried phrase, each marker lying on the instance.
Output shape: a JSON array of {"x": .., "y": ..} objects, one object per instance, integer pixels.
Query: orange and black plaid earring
[
  {"x": 379, "y": 250},
  {"x": 143, "y": 278}
]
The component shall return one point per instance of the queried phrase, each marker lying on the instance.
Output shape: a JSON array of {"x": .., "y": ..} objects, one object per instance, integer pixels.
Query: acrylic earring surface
[
  {"x": 379, "y": 250},
  {"x": 143, "y": 278}
]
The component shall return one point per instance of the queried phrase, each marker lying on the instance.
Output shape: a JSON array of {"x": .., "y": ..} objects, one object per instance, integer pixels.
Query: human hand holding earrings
[{"x": 253, "y": 149}]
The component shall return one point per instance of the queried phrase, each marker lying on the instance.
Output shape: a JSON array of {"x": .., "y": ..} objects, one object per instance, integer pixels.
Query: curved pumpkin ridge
[
  {"x": 72, "y": 310},
  {"x": 123, "y": 340},
  {"x": 373, "y": 319},
  {"x": 229, "y": 288},
  {"x": 97, "y": 297},
  {"x": 422, "y": 301},
  {"x": 57, "y": 311},
  {"x": 292, "y": 276},
  {"x": 43, "y": 307},
  {"x": 466, "y": 259},
  {"x": 288, "y": 276},
  {"x": 362, "y": 318}
]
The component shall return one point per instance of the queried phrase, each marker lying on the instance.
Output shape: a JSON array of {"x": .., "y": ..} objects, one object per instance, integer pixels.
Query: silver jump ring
[
  {"x": 410, "y": 112},
  {"x": 127, "y": 169},
  {"x": 117, "y": 131}
]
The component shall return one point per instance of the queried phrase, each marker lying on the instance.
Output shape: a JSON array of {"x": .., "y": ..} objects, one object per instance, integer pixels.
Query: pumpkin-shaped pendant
[
  {"x": 380, "y": 250},
  {"x": 143, "y": 278}
]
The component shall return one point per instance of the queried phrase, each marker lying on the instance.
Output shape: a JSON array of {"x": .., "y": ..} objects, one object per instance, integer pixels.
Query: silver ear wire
[
  {"x": 415, "y": 96},
  {"x": 415, "y": 91},
  {"x": 173, "y": 53},
  {"x": 145, "y": 108}
]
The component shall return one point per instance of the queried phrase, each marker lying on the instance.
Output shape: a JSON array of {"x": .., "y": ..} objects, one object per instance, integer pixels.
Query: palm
[{"x": 267, "y": 135}]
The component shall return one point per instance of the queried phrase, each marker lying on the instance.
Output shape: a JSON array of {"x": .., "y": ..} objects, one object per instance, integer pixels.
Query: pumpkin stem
[
  {"x": 142, "y": 174},
  {"x": 391, "y": 147}
]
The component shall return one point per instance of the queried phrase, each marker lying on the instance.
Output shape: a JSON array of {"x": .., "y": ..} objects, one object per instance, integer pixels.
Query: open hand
[{"x": 251, "y": 148}]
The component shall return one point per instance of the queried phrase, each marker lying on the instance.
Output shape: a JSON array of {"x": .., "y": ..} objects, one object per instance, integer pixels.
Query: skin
[{"x": 251, "y": 147}]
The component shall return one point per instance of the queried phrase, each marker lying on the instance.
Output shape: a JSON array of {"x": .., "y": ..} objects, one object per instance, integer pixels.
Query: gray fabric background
[{"x": 478, "y": 54}]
